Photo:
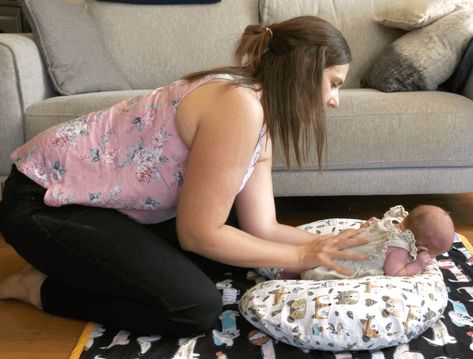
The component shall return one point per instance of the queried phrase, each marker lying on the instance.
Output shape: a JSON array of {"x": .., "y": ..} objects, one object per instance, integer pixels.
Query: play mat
[{"x": 237, "y": 338}]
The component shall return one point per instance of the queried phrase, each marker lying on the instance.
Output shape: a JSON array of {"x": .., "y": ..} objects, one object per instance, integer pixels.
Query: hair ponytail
[
  {"x": 287, "y": 61},
  {"x": 251, "y": 47}
]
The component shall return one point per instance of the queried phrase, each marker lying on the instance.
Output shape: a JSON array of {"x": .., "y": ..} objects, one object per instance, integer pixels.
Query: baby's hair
[{"x": 431, "y": 225}]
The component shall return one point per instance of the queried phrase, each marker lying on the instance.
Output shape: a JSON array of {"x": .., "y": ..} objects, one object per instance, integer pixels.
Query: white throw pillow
[{"x": 412, "y": 14}]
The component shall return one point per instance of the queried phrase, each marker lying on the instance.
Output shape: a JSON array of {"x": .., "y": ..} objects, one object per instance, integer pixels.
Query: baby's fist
[{"x": 424, "y": 258}]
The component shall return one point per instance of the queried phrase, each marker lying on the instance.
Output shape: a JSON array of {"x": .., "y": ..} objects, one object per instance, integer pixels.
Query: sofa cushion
[
  {"x": 377, "y": 130},
  {"x": 354, "y": 18},
  {"x": 54, "y": 110},
  {"x": 423, "y": 58},
  {"x": 409, "y": 14},
  {"x": 157, "y": 44},
  {"x": 427, "y": 129},
  {"x": 73, "y": 52}
]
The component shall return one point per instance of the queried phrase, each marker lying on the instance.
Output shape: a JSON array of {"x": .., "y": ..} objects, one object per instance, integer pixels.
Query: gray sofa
[{"x": 378, "y": 143}]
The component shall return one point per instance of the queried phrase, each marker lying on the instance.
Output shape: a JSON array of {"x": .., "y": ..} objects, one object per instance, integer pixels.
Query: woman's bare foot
[{"x": 24, "y": 285}]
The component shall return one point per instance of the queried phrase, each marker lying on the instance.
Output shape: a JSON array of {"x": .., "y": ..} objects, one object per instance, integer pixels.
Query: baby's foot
[{"x": 25, "y": 286}]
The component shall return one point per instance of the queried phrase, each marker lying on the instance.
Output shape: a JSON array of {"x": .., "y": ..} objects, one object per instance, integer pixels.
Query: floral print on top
[{"x": 129, "y": 157}]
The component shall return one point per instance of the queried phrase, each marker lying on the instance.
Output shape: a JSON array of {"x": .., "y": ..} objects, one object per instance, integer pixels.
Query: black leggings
[{"x": 103, "y": 266}]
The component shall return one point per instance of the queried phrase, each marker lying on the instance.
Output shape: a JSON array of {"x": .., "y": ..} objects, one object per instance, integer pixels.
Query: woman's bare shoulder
[{"x": 236, "y": 106}]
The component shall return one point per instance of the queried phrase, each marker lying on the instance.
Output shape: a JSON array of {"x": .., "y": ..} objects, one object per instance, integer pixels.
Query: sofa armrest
[
  {"x": 468, "y": 90},
  {"x": 24, "y": 81}
]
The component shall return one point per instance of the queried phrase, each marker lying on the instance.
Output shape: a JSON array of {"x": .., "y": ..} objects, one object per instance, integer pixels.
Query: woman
[{"x": 93, "y": 204}]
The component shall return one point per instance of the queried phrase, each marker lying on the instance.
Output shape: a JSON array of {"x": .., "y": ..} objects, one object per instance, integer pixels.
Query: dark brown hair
[{"x": 287, "y": 60}]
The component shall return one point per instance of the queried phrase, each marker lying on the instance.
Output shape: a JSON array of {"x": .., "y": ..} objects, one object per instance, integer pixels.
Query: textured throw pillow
[
  {"x": 424, "y": 58},
  {"x": 457, "y": 82},
  {"x": 72, "y": 49},
  {"x": 411, "y": 14}
]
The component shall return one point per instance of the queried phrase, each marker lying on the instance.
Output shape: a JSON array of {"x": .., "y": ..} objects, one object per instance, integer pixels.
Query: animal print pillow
[{"x": 347, "y": 314}]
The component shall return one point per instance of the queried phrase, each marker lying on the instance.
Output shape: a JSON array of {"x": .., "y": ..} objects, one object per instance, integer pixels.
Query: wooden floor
[{"x": 27, "y": 333}]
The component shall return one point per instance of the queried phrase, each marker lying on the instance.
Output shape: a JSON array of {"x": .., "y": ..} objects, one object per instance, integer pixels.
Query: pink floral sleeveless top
[{"x": 129, "y": 157}]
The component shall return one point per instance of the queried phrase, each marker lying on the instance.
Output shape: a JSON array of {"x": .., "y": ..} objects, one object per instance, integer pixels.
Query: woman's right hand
[{"x": 325, "y": 248}]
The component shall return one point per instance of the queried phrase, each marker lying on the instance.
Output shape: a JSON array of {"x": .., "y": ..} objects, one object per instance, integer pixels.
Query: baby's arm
[{"x": 396, "y": 263}]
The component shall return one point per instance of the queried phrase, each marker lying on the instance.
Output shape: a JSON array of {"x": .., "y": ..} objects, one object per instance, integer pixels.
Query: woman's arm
[
  {"x": 257, "y": 215},
  {"x": 256, "y": 209},
  {"x": 222, "y": 147}
]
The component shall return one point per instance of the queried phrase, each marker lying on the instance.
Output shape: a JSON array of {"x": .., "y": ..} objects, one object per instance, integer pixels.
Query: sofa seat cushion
[
  {"x": 376, "y": 130},
  {"x": 54, "y": 110},
  {"x": 370, "y": 130}
]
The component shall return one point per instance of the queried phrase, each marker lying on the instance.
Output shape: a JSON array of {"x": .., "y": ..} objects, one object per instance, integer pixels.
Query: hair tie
[{"x": 270, "y": 32}]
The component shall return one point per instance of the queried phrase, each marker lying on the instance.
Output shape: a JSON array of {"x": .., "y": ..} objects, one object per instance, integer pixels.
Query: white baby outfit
[{"x": 382, "y": 233}]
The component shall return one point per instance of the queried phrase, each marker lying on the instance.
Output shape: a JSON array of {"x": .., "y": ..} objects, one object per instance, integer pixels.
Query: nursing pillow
[{"x": 346, "y": 314}]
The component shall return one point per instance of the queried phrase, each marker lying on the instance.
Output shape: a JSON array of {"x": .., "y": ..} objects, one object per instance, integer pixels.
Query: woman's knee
[{"x": 199, "y": 316}]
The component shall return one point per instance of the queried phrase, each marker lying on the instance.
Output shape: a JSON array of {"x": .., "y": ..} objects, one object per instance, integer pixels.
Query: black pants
[{"x": 103, "y": 266}]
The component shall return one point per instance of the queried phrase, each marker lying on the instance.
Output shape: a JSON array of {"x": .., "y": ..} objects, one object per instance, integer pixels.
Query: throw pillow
[
  {"x": 424, "y": 58},
  {"x": 165, "y": 2},
  {"x": 411, "y": 14},
  {"x": 457, "y": 82},
  {"x": 72, "y": 49}
]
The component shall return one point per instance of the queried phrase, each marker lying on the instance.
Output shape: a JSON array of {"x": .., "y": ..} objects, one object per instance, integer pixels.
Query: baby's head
[{"x": 432, "y": 227}]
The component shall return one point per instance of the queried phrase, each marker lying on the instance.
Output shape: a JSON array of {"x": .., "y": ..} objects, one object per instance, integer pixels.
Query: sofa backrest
[
  {"x": 156, "y": 44},
  {"x": 354, "y": 18}
]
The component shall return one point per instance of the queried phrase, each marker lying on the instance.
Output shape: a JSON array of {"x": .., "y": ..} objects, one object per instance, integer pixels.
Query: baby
[{"x": 401, "y": 244}]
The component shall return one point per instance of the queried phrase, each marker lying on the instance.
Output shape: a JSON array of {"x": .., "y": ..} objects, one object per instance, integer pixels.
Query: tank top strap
[{"x": 199, "y": 82}]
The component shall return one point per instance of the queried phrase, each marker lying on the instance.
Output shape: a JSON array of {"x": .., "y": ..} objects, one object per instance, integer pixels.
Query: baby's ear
[{"x": 422, "y": 249}]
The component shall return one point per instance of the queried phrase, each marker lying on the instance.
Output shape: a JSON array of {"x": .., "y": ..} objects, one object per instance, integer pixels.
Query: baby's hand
[
  {"x": 368, "y": 222},
  {"x": 424, "y": 258}
]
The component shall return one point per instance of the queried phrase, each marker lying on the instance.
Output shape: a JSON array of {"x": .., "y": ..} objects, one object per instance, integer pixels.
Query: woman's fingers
[
  {"x": 338, "y": 268},
  {"x": 350, "y": 256},
  {"x": 343, "y": 235},
  {"x": 355, "y": 241},
  {"x": 326, "y": 248},
  {"x": 351, "y": 238}
]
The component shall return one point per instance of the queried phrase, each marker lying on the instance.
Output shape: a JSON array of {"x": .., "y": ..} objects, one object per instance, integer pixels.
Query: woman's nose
[{"x": 333, "y": 102}]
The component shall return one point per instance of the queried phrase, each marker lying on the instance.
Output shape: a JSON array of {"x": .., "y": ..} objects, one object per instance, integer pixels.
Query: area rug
[{"x": 235, "y": 338}]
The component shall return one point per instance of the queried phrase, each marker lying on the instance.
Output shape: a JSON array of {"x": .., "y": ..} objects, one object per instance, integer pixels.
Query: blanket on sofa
[{"x": 451, "y": 337}]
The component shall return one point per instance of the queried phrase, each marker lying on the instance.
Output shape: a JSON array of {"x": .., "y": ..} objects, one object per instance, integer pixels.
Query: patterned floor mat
[{"x": 235, "y": 338}]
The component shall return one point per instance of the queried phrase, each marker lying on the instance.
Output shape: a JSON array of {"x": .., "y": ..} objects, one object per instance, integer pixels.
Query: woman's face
[{"x": 333, "y": 79}]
